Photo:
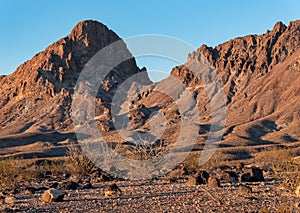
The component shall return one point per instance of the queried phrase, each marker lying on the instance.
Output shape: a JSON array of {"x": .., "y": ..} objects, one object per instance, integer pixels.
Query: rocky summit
[
  {"x": 259, "y": 75},
  {"x": 36, "y": 99}
]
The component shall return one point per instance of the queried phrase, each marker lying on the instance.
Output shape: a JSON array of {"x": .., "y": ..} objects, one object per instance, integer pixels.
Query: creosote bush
[
  {"x": 145, "y": 151},
  {"x": 191, "y": 162},
  {"x": 78, "y": 161}
]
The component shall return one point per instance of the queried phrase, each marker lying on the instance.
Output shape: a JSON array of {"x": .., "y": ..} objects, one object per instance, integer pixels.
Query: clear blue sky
[{"x": 28, "y": 27}]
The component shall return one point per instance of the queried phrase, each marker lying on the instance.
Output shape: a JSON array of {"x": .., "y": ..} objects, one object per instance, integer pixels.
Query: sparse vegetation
[
  {"x": 278, "y": 161},
  {"x": 78, "y": 161},
  {"x": 281, "y": 163},
  {"x": 14, "y": 171},
  {"x": 191, "y": 162},
  {"x": 146, "y": 151},
  {"x": 8, "y": 173},
  {"x": 287, "y": 208}
]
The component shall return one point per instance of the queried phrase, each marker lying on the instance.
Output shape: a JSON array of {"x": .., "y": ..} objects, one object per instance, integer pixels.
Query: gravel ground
[{"x": 159, "y": 196}]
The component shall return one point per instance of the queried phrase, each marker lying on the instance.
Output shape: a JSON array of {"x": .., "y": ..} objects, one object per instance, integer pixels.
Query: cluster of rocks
[
  {"x": 56, "y": 194},
  {"x": 213, "y": 182},
  {"x": 57, "y": 191},
  {"x": 213, "y": 179}
]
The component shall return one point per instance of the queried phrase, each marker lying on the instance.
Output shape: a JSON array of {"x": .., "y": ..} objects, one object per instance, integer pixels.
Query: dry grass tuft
[
  {"x": 282, "y": 165},
  {"x": 14, "y": 171}
]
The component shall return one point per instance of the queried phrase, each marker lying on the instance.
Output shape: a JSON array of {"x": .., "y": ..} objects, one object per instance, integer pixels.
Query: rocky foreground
[
  {"x": 158, "y": 196},
  {"x": 222, "y": 192}
]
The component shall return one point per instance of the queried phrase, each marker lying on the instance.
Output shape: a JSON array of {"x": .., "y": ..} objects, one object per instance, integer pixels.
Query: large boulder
[
  {"x": 213, "y": 182},
  {"x": 52, "y": 195},
  {"x": 252, "y": 174},
  {"x": 70, "y": 185},
  {"x": 228, "y": 176},
  {"x": 199, "y": 178},
  {"x": 112, "y": 191}
]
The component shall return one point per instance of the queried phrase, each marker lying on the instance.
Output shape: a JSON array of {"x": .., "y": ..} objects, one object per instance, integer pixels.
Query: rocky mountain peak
[
  {"x": 252, "y": 53},
  {"x": 51, "y": 75},
  {"x": 84, "y": 28},
  {"x": 279, "y": 27},
  {"x": 92, "y": 31},
  {"x": 294, "y": 25}
]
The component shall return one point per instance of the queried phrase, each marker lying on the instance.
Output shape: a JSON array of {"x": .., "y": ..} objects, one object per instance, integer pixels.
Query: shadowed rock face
[
  {"x": 38, "y": 95},
  {"x": 259, "y": 76}
]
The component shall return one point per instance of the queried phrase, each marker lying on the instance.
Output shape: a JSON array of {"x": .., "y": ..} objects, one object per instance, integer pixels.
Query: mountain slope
[
  {"x": 260, "y": 75},
  {"x": 38, "y": 95},
  {"x": 260, "y": 78},
  {"x": 35, "y": 100}
]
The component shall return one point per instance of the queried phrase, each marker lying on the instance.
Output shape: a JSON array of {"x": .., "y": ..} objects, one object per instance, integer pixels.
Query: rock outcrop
[
  {"x": 35, "y": 100},
  {"x": 259, "y": 75},
  {"x": 49, "y": 78}
]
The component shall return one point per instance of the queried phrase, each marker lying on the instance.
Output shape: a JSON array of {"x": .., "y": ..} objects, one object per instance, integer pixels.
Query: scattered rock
[
  {"x": 240, "y": 166},
  {"x": 101, "y": 176},
  {"x": 176, "y": 174},
  {"x": 52, "y": 195},
  {"x": 76, "y": 178},
  {"x": 245, "y": 190},
  {"x": 67, "y": 176},
  {"x": 104, "y": 178},
  {"x": 213, "y": 182},
  {"x": 228, "y": 176},
  {"x": 11, "y": 200},
  {"x": 14, "y": 191},
  {"x": 87, "y": 185},
  {"x": 297, "y": 191},
  {"x": 252, "y": 174},
  {"x": 256, "y": 174},
  {"x": 54, "y": 185},
  {"x": 70, "y": 185},
  {"x": 112, "y": 191},
  {"x": 245, "y": 177},
  {"x": 1, "y": 201},
  {"x": 202, "y": 177},
  {"x": 28, "y": 191},
  {"x": 192, "y": 181}
]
